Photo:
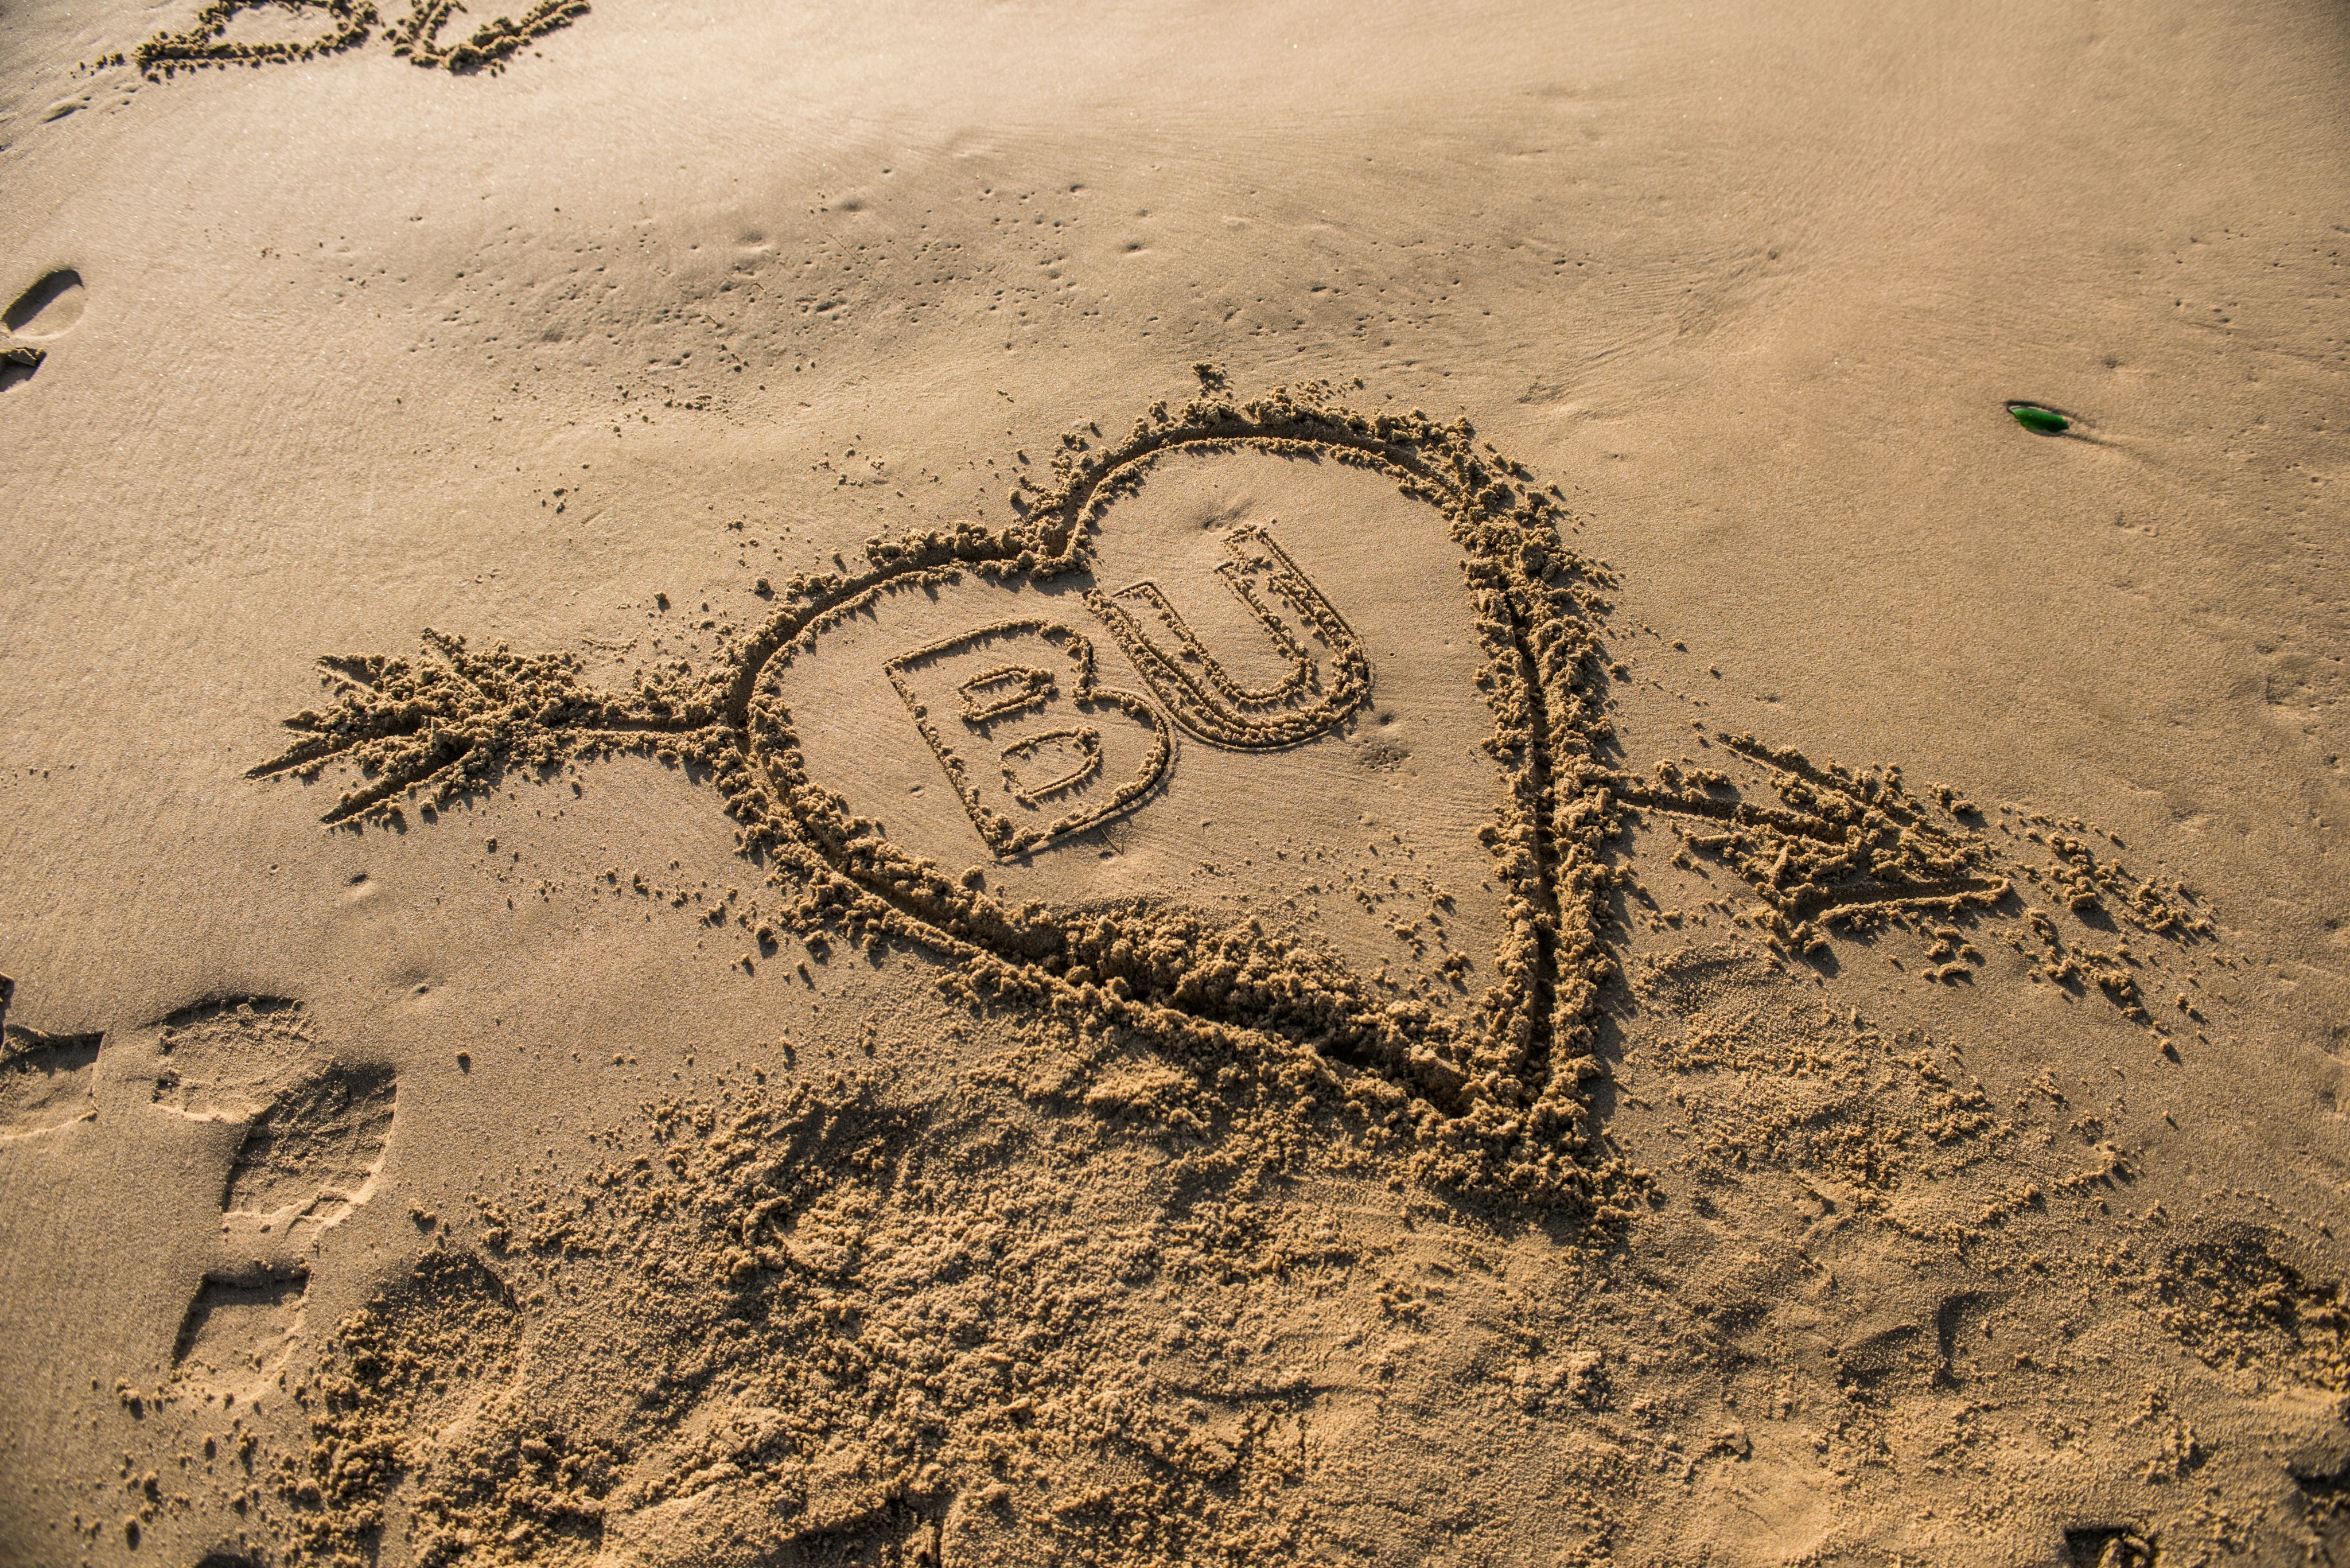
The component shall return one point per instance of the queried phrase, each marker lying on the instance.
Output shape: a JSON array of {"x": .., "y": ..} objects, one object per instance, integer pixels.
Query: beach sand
[{"x": 1248, "y": 783}]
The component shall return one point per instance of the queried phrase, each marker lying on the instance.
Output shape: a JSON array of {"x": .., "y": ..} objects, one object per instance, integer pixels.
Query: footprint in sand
[
  {"x": 238, "y": 1334},
  {"x": 49, "y": 308},
  {"x": 47, "y": 1081},
  {"x": 315, "y": 1135},
  {"x": 311, "y": 1156},
  {"x": 317, "y": 1126}
]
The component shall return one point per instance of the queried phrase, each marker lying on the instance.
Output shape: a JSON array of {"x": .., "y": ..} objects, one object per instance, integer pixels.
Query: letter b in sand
[{"x": 1037, "y": 749}]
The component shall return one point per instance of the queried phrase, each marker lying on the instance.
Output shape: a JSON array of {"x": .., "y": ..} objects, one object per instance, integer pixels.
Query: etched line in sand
[
  {"x": 460, "y": 723},
  {"x": 1853, "y": 849},
  {"x": 344, "y": 24},
  {"x": 1195, "y": 685},
  {"x": 1010, "y": 689},
  {"x": 1083, "y": 742},
  {"x": 1836, "y": 850},
  {"x": 489, "y": 45}
]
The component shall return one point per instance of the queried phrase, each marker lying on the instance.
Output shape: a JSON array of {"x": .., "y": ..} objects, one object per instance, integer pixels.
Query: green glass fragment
[{"x": 2039, "y": 421}]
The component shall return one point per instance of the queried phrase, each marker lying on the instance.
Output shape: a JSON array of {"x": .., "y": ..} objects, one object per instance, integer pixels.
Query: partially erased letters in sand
[{"x": 300, "y": 30}]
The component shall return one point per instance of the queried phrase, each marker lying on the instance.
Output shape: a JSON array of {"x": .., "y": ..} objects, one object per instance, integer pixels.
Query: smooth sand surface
[{"x": 968, "y": 884}]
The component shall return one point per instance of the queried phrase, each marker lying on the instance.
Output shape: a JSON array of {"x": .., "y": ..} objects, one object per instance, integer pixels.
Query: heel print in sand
[
  {"x": 1450, "y": 848},
  {"x": 240, "y": 1332},
  {"x": 47, "y": 1081},
  {"x": 1318, "y": 689},
  {"x": 50, "y": 307}
]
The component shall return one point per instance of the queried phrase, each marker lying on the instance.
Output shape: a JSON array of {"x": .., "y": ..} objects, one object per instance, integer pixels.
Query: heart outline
[
  {"x": 1531, "y": 1047},
  {"x": 1496, "y": 1094}
]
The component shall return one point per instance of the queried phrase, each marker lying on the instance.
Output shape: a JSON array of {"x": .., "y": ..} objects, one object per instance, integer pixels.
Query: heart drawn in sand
[{"x": 1347, "y": 652}]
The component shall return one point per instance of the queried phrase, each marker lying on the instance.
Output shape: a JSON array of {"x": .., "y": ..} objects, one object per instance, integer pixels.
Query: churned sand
[{"x": 799, "y": 785}]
